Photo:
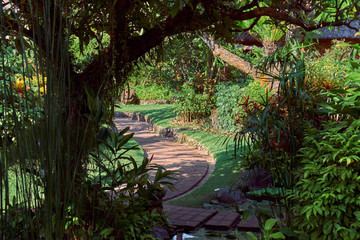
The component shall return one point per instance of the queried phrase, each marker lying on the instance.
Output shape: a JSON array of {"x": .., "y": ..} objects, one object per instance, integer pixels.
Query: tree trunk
[
  {"x": 241, "y": 64},
  {"x": 231, "y": 58}
]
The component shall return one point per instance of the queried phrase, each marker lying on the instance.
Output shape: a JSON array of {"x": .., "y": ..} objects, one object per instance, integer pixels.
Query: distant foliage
[
  {"x": 186, "y": 59},
  {"x": 21, "y": 96},
  {"x": 328, "y": 70},
  {"x": 229, "y": 98},
  {"x": 190, "y": 106},
  {"x": 227, "y": 103},
  {"x": 152, "y": 92},
  {"x": 83, "y": 53}
]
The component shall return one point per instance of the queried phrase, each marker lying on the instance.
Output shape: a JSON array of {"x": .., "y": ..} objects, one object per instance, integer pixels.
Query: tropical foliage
[
  {"x": 330, "y": 157},
  {"x": 152, "y": 92},
  {"x": 64, "y": 64},
  {"x": 308, "y": 133}
]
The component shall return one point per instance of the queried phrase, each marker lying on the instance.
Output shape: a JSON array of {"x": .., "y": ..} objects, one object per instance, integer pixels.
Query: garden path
[{"x": 192, "y": 166}]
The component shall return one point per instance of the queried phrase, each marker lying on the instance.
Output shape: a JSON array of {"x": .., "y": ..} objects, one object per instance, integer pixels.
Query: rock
[
  {"x": 225, "y": 195},
  {"x": 162, "y": 233},
  {"x": 255, "y": 179},
  {"x": 129, "y": 97},
  {"x": 207, "y": 206},
  {"x": 214, "y": 201}
]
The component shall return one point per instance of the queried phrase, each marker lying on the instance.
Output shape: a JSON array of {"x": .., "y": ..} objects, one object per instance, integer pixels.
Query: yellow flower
[
  {"x": 42, "y": 90},
  {"x": 18, "y": 85}
]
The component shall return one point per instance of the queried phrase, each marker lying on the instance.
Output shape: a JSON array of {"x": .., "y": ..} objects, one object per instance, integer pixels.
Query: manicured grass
[
  {"x": 161, "y": 114},
  {"x": 226, "y": 171}
]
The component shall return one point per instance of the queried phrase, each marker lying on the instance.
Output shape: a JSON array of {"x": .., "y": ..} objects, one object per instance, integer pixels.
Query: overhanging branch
[{"x": 230, "y": 58}]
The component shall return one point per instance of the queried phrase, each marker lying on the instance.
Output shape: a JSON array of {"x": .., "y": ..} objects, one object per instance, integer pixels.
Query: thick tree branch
[
  {"x": 281, "y": 15},
  {"x": 184, "y": 21},
  {"x": 189, "y": 19},
  {"x": 231, "y": 58}
]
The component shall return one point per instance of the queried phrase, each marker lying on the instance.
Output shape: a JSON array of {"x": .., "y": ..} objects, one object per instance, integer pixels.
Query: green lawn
[
  {"x": 226, "y": 170},
  {"x": 161, "y": 114}
]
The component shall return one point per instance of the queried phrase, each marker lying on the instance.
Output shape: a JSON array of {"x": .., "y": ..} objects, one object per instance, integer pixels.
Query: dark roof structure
[
  {"x": 342, "y": 32},
  {"x": 324, "y": 35}
]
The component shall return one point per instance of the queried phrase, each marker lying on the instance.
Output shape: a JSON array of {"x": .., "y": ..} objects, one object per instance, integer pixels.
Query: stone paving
[
  {"x": 188, "y": 218},
  {"x": 251, "y": 225},
  {"x": 223, "y": 221},
  {"x": 192, "y": 167}
]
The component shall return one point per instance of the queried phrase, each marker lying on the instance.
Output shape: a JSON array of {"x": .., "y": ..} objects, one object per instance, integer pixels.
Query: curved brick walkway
[{"x": 192, "y": 166}]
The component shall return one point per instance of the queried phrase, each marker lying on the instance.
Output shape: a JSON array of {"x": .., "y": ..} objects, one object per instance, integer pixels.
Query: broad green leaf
[
  {"x": 278, "y": 235},
  {"x": 327, "y": 227},
  {"x": 269, "y": 224},
  {"x": 354, "y": 76},
  {"x": 175, "y": 8},
  {"x": 251, "y": 235},
  {"x": 288, "y": 232}
]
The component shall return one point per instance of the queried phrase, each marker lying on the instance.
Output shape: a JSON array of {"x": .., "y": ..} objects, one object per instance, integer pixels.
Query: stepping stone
[
  {"x": 188, "y": 218},
  {"x": 251, "y": 225},
  {"x": 223, "y": 221}
]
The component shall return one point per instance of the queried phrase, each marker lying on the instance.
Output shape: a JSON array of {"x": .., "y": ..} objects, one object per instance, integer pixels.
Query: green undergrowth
[
  {"x": 137, "y": 154},
  {"x": 227, "y": 166},
  {"x": 226, "y": 170},
  {"x": 161, "y": 114},
  {"x": 17, "y": 179},
  {"x": 152, "y": 91}
]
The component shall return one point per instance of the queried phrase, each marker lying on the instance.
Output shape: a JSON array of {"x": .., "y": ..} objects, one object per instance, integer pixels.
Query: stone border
[
  {"x": 156, "y": 102},
  {"x": 177, "y": 137}
]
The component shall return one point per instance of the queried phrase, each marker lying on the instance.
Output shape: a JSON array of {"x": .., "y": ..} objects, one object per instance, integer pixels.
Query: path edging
[
  {"x": 167, "y": 132},
  {"x": 177, "y": 137}
]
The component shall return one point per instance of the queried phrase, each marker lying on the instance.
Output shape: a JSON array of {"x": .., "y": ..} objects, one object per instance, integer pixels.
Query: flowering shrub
[
  {"x": 327, "y": 71},
  {"x": 27, "y": 98}
]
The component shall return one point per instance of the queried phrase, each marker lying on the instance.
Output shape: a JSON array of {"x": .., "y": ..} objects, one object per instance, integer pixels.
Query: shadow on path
[{"x": 191, "y": 165}]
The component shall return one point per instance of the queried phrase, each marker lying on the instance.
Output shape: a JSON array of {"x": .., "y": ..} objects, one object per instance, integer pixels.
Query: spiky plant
[{"x": 38, "y": 167}]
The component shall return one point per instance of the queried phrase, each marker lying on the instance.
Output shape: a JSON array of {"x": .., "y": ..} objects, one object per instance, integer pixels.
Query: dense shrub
[
  {"x": 325, "y": 100},
  {"x": 152, "y": 92},
  {"x": 329, "y": 191},
  {"x": 190, "y": 106},
  {"x": 328, "y": 70},
  {"x": 228, "y": 100},
  {"x": 329, "y": 209}
]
